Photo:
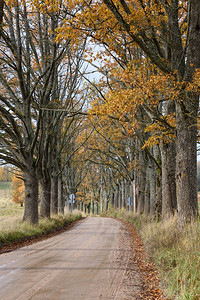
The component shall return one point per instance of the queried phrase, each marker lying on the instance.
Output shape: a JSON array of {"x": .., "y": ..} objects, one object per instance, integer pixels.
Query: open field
[
  {"x": 5, "y": 194},
  {"x": 7, "y": 207}
]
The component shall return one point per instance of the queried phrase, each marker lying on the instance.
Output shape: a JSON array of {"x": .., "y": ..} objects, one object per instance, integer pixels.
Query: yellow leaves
[
  {"x": 162, "y": 130},
  {"x": 195, "y": 84},
  {"x": 18, "y": 188},
  {"x": 47, "y": 6}
]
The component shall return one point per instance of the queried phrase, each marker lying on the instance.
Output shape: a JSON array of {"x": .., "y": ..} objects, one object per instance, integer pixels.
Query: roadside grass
[
  {"x": 176, "y": 254},
  {"x": 14, "y": 230}
]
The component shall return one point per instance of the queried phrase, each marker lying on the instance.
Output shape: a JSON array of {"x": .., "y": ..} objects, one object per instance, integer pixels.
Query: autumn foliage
[{"x": 18, "y": 189}]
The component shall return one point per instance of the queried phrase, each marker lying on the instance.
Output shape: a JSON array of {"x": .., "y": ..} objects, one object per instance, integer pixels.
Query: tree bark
[
  {"x": 152, "y": 189},
  {"x": 1, "y": 14},
  {"x": 147, "y": 191},
  {"x": 45, "y": 185},
  {"x": 169, "y": 201},
  {"x": 117, "y": 196},
  {"x": 158, "y": 199},
  {"x": 186, "y": 118},
  {"x": 141, "y": 183},
  {"x": 186, "y": 168},
  {"x": 92, "y": 205},
  {"x": 54, "y": 194},
  {"x": 60, "y": 195},
  {"x": 31, "y": 197}
]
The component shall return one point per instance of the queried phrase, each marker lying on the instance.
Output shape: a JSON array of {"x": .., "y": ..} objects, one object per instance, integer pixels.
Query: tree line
[{"x": 140, "y": 134}]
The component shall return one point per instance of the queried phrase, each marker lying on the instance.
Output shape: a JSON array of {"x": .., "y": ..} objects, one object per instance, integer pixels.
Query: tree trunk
[
  {"x": 141, "y": 192},
  {"x": 152, "y": 189},
  {"x": 60, "y": 196},
  {"x": 54, "y": 195},
  {"x": 141, "y": 182},
  {"x": 81, "y": 206},
  {"x": 117, "y": 196},
  {"x": 106, "y": 200},
  {"x": 96, "y": 208},
  {"x": 120, "y": 197},
  {"x": 186, "y": 124},
  {"x": 101, "y": 194},
  {"x": 134, "y": 197},
  {"x": 147, "y": 192},
  {"x": 1, "y": 14},
  {"x": 113, "y": 199},
  {"x": 31, "y": 198},
  {"x": 169, "y": 202},
  {"x": 45, "y": 185},
  {"x": 186, "y": 167},
  {"x": 123, "y": 194},
  {"x": 92, "y": 205}
]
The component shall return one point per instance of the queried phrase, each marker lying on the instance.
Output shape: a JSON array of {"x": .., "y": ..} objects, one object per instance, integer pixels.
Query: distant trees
[
  {"x": 18, "y": 191},
  {"x": 5, "y": 174}
]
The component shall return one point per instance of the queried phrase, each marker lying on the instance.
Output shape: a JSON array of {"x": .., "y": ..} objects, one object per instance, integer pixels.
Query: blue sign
[
  {"x": 71, "y": 198},
  {"x": 129, "y": 201}
]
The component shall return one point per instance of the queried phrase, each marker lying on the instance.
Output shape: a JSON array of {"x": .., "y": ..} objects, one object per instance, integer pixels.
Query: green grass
[
  {"x": 7, "y": 207},
  {"x": 176, "y": 254},
  {"x": 13, "y": 229},
  {"x": 5, "y": 185}
]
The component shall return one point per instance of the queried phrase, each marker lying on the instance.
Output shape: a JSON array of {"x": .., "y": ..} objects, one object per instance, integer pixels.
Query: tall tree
[
  {"x": 1, "y": 14},
  {"x": 168, "y": 34}
]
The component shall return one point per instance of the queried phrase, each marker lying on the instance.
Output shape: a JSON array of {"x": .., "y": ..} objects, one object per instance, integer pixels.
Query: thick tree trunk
[
  {"x": 141, "y": 192},
  {"x": 54, "y": 195},
  {"x": 186, "y": 118},
  {"x": 101, "y": 194},
  {"x": 147, "y": 192},
  {"x": 113, "y": 199},
  {"x": 158, "y": 202},
  {"x": 45, "y": 185},
  {"x": 92, "y": 205},
  {"x": 117, "y": 196},
  {"x": 106, "y": 200},
  {"x": 1, "y": 14},
  {"x": 123, "y": 194},
  {"x": 60, "y": 196},
  {"x": 141, "y": 182},
  {"x": 169, "y": 201},
  {"x": 134, "y": 196},
  {"x": 31, "y": 197},
  {"x": 152, "y": 189},
  {"x": 96, "y": 208},
  {"x": 186, "y": 166},
  {"x": 120, "y": 197}
]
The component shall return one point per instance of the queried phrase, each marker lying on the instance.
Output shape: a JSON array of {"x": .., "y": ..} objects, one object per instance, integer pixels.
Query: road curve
[{"x": 74, "y": 265}]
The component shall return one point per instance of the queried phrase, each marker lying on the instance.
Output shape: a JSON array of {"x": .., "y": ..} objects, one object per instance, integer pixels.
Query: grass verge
[
  {"x": 14, "y": 230},
  {"x": 176, "y": 254}
]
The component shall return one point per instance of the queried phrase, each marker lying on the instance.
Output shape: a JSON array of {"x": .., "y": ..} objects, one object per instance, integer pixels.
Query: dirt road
[{"x": 78, "y": 264}]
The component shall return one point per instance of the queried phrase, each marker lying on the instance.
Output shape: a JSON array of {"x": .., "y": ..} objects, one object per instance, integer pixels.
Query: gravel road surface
[{"x": 89, "y": 261}]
